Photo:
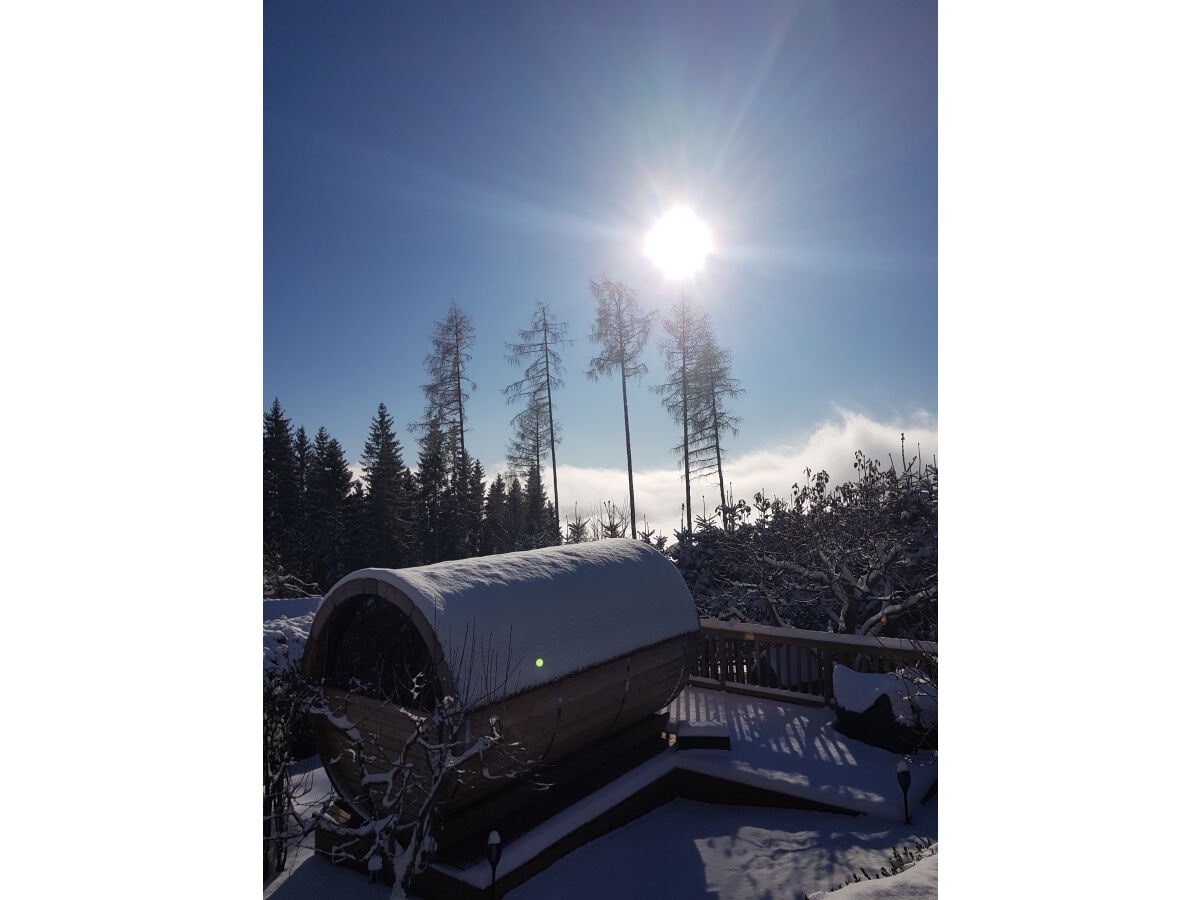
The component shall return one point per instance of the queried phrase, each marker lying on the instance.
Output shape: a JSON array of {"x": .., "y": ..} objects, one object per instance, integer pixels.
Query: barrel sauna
[{"x": 563, "y": 646}]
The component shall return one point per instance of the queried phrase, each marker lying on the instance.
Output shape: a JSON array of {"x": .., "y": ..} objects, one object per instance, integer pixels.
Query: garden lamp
[
  {"x": 905, "y": 779},
  {"x": 494, "y": 857}
]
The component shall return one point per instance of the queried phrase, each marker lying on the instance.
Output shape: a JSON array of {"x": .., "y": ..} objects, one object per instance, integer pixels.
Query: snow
[
  {"x": 857, "y": 691},
  {"x": 916, "y": 883},
  {"x": 701, "y": 730},
  {"x": 308, "y": 876},
  {"x": 686, "y": 848},
  {"x": 573, "y": 607},
  {"x": 290, "y": 607},
  {"x": 692, "y": 850},
  {"x": 283, "y": 641},
  {"x": 743, "y": 852},
  {"x": 529, "y": 845},
  {"x": 797, "y": 750}
]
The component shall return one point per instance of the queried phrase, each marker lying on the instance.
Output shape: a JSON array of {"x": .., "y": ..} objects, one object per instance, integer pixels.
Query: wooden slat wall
[{"x": 548, "y": 722}]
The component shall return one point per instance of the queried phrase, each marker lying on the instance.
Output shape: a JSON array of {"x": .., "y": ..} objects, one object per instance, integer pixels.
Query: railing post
[
  {"x": 801, "y": 662},
  {"x": 721, "y": 659},
  {"x": 827, "y": 675},
  {"x": 752, "y": 647}
]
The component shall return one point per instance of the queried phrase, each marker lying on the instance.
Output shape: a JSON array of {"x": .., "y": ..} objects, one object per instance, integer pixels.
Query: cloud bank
[{"x": 772, "y": 470}]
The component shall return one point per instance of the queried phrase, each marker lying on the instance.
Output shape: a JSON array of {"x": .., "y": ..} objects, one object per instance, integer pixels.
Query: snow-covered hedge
[
  {"x": 286, "y": 734},
  {"x": 289, "y": 607},
  {"x": 283, "y": 643}
]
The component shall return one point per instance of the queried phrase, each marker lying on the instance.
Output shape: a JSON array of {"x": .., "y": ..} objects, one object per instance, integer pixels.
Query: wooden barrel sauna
[{"x": 564, "y": 646}]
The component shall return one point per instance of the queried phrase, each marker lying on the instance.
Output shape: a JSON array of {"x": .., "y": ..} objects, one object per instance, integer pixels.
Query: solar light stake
[
  {"x": 494, "y": 857},
  {"x": 905, "y": 779}
]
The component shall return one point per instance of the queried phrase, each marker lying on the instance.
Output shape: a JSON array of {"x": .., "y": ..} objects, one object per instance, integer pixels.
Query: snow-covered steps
[
  {"x": 702, "y": 736},
  {"x": 640, "y": 791}
]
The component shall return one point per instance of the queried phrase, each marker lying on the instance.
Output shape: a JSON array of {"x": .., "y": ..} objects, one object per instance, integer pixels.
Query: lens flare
[{"x": 679, "y": 243}]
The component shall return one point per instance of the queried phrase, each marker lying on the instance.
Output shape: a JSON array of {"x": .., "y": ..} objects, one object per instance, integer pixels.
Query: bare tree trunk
[
  {"x": 628, "y": 457},
  {"x": 687, "y": 470},
  {"x": 462, "y": 415},
  {"x": 720, "y": 472},
  {"x": 550, "y": 406}
]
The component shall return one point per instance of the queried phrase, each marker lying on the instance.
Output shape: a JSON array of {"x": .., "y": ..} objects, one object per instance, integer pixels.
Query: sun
[{"x": 679, "y": 243}]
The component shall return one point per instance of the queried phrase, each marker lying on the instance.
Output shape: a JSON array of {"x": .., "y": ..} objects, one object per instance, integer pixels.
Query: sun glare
[{"x": 679, "y": 243}]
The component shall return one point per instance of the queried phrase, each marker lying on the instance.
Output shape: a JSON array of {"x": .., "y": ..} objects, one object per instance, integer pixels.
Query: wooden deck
[{"x": 586, "y": 734}]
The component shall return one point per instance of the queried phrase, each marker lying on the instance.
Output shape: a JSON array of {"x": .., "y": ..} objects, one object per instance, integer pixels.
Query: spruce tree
[
  {"x": 614, "y": 521},
  {"x": 386, "y": 514},
  {"x": 280, "y": 493},
  {"x": 302, "y": 532},
  {"x": 515, "y": 513},
  {"x": 538, "y": 512},
  {"x": 461, "y": 516},
  {"x": 496, "y": 538},
  {"x": 358, "y": 549},
  {"x": 434, "y": 497},
  {"x": 577, "y": 529},
  {"x": 328, "y": 504},
  {"x": 475, "y": 509}
]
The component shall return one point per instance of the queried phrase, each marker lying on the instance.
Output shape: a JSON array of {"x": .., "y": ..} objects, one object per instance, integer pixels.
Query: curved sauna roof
[{"x": 499, "y": 625}]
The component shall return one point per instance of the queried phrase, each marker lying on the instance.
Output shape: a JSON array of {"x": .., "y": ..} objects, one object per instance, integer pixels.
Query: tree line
[{"x": 319, "y": 522}]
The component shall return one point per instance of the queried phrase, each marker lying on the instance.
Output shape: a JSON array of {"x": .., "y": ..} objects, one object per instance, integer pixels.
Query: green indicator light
[{"x": 540, "y": 662}]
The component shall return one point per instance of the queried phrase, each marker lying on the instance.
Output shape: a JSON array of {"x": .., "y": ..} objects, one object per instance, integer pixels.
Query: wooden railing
[{"x": 792, "y": 664}]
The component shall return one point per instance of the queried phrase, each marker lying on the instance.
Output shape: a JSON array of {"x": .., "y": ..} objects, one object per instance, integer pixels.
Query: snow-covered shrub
[
  {"x": 284, "y": 688},
  {"x": 286, "y": 733},
  {"x": 860, "y": 558}
]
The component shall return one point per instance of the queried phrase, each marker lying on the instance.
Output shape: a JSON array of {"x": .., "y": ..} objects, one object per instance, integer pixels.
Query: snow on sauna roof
[{"x": 572, "y": 606}]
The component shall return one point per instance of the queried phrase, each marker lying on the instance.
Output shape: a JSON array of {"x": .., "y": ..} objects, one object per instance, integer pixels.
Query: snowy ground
[
  {"x": 689, "y": 849},
  {"x": 796, "y": 750}
]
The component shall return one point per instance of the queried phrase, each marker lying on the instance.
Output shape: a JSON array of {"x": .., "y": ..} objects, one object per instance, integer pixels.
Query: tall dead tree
[
  {"x": 680, "y": 348},
  {"x": 713, "y": 386},
  {"x": 535, "y": 388},
  {"x": 622, "y": 330},
  {"x": 452, "y": 340}
]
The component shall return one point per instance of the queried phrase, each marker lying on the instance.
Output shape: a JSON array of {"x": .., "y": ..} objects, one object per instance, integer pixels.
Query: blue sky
[{"x": 499, "y": 154}]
